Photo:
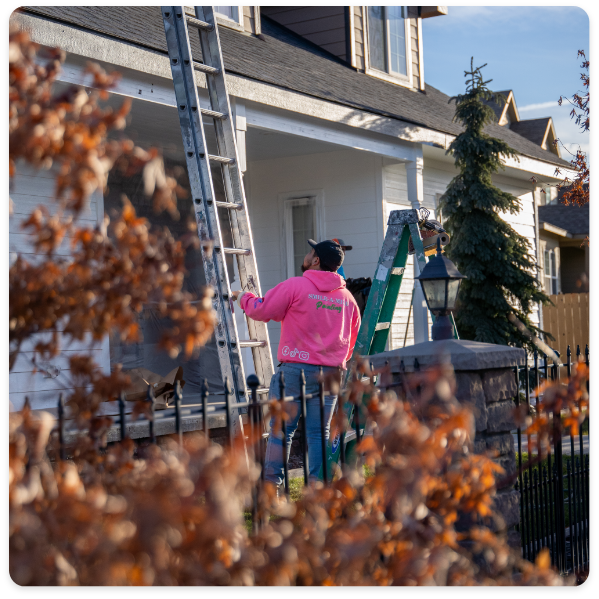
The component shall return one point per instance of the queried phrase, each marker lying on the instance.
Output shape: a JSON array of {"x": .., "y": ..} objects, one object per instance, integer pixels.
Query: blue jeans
[{"x": 273, "y": 467}]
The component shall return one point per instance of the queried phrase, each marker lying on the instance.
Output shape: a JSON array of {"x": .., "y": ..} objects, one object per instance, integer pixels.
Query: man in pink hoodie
[{"x": 319, "y": 326}]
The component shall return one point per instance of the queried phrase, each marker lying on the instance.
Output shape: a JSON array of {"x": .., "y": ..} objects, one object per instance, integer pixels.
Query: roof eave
[{"x": 555, "y": 230}]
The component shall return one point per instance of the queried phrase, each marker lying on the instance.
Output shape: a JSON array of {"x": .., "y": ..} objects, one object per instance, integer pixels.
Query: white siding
[
  {"x": 437, "y": 177},
  {"x": 395, "y": 193},
  {"x": 349, "y": 182},
  {"x": 29, "y": 189}
]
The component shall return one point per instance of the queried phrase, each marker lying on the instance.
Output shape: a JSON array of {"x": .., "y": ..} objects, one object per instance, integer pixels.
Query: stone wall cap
[{"x": 462, "y": 354}]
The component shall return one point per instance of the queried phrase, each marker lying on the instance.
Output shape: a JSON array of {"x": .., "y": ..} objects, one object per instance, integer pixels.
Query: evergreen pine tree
[{"x": 497, "y": 261}]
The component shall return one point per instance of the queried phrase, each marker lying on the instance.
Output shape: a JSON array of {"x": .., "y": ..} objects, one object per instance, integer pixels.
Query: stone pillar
[{"x": 486, "y": 381}]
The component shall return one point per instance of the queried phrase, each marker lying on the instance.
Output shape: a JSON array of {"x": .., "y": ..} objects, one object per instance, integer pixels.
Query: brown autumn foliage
[
  {"x": 115, "y": 267},
  {"x": 164, "y": 515},
  {"x": 577, "y": 191},
  {"x": 174, "y": 516}
]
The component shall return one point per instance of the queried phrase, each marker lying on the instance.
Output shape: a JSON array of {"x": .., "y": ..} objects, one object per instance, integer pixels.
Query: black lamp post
[{"x": 440, "y": 281}]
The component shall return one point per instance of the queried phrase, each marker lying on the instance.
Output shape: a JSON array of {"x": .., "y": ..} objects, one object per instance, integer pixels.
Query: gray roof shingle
[
  {"x": 533, "y": 129},
  {"x": 573, "y": 218},
  {"x": 287, "y": 60}
]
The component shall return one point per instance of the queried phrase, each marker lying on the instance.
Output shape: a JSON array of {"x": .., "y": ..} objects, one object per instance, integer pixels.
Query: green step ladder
[{"x": 382, "y": 299}]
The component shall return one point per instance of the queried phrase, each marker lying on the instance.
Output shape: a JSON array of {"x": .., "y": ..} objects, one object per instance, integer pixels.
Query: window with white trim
[
  {"x": 231, "y": 12},
  {"x": 550, "y": 270},
  {"x": 300, "y": 225},
  {"x": 388, "y": 39},
  {"x": 228, "y": 16}
]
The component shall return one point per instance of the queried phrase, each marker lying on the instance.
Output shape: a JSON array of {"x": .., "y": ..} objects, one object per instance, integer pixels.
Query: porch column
[
  {"x": 238, "y": 109},
  {"x": 416, "y": 199}
]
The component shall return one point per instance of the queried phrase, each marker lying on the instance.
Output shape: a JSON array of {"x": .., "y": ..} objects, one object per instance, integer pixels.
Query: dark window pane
[{"x": 376, "y": 37}]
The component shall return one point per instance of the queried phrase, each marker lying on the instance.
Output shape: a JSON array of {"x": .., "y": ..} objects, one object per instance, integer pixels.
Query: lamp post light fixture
[{"x": 440, "y": 281}]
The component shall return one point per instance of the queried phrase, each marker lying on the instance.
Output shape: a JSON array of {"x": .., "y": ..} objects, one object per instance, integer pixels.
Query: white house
[{"x": 335, "y": 125}]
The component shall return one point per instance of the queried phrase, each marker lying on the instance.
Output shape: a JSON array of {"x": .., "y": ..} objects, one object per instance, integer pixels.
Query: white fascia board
[
  {"x": 555, "y": 230},
  {"x": 275, "y": 119},
  {"x": 145, "y": 67},
  {"x": 150, "y": 88},
  {"x": 539, "y": 168}
]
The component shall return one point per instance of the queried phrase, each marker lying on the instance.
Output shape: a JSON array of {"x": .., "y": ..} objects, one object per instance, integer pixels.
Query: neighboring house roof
[
  {"x": 572, "y": 218},
  {"x": 497, "y": 105},
  {"x": 285, "y": 59},
  {"x": 533, "y": 129}
]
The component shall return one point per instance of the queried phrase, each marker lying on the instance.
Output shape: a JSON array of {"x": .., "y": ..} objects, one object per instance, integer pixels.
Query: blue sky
[{"x": 530, "y": 50}]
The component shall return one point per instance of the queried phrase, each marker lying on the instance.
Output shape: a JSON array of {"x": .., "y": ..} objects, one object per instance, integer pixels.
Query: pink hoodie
[{"x": 319, "y": 318}]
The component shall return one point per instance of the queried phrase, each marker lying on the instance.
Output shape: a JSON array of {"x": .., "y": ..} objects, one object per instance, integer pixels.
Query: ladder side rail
[
  {"x": 396, "y": 229},
  {"x": 379, "y": 340},
  {"x": 234, "y": 188},
  {"x": 201, "y": 186}
]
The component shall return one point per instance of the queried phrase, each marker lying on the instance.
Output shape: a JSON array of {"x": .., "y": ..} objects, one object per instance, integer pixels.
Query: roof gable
[{"x": 539, "y": 131}]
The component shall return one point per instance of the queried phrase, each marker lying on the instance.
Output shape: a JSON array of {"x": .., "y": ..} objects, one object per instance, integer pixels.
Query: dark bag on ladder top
[{"x": 359, "y": 288}]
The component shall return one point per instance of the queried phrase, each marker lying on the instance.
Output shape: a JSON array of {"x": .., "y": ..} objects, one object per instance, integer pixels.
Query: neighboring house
[
  {"x": 564, "y": 252},
  {"x": 540, "y": 131},
  {"x": 335, "y": 124}
]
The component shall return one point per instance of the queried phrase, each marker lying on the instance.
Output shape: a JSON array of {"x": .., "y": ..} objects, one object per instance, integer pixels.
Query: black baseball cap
[{"x": 331, "y": 253}]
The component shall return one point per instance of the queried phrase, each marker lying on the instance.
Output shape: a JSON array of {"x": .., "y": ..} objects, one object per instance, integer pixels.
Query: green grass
[
  {"x": 544, "y": 463},
  {"x": 296, "y": 486}
]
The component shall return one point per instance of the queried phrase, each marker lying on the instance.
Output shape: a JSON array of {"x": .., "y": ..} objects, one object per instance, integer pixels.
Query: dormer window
[
  {"x": 388, "y": 37},
  {"x": 228, "y": 16},
  {"x": 231, "y": 12}
]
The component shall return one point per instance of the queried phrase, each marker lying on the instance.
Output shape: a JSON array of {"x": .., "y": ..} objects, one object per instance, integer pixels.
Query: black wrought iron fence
[
  {"x": 554, "y": 492},
  {"x": 255, "y": 421}
]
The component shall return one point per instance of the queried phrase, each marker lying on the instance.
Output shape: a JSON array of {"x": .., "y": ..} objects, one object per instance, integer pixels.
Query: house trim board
[
  {"x": 555, "y": 230},
  {"x": 142, "y": 61},
  {"x": 257, "y": 21},
  {"x": 420, "y": 55},
  {"x": 352, "y": 36}
]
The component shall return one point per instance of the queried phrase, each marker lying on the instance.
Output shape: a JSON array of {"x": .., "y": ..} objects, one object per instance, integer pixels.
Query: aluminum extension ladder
[
  {"x": 177, "y": 25},
  {"x": 402, "y": 226}
]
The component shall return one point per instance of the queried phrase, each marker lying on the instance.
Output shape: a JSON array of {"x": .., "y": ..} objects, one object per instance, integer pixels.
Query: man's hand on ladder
[{"x": 236, "y": 295}]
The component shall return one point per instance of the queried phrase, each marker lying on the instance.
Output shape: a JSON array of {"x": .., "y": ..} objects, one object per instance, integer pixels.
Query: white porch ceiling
[{"x": 267, "y": 145}]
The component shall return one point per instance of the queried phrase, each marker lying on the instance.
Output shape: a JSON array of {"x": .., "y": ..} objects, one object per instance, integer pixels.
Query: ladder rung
[
  {"x": 199, "y": 24},
  {"x": 204, "y": 68},
  {"x": 229, "y": 205},
  {"x": 237, "y": 251},
  {"x": 221, "y": 159},
  {"x": 252, "y": 343},
  {"x": 215, "y": 115},
  {"x": 382, "y": 325}
]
